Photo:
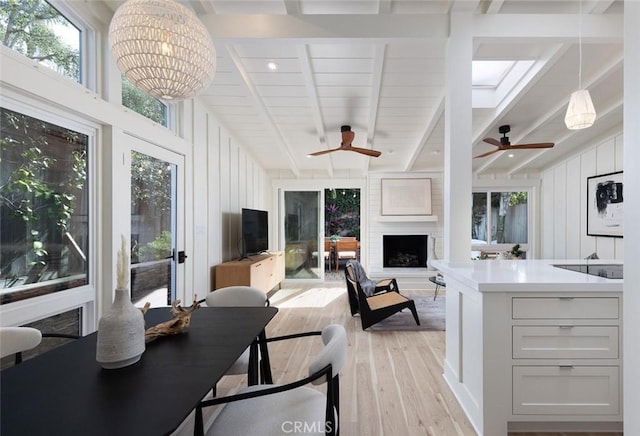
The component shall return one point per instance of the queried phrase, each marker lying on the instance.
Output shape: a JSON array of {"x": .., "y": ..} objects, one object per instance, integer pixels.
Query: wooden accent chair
[
  {"x": 346, "y": 248},
  {"x": 328, "y": 252},
  {"x": 374, "y": 301}
]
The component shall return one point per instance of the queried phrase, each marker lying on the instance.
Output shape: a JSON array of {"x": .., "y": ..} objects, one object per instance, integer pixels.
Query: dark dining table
[{"x": 66, "y": 392}]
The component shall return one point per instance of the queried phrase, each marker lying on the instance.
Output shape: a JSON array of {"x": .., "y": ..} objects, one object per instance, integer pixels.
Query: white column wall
[
  {"x": 631, "y": 293},
  {"x": 458, "y": 139}
]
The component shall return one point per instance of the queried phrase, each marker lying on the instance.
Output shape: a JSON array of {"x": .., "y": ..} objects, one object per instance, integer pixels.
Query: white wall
[
  {"x": 225, "y": 179},
  {"x": 563, "y": 204}
]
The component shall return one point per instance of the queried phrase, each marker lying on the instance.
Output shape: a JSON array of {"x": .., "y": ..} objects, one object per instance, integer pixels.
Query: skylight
[{"x": 489, "y": 74}]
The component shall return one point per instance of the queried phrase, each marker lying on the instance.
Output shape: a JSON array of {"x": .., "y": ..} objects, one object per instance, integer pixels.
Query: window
[
  {"x": 499, "y": 220},
  {"x": 142, "y": 103},
  {"x": 44, "y": 207},
  {"x": 489, "y": 74},
  {"x": 37, "y": 30},
  {"x": 342, "y": 212}
]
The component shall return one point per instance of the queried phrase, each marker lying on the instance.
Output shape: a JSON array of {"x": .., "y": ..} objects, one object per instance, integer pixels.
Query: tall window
[
  {"x": 44, "y": 207},
  {"x": 142, "y": 103},
  {"x": 499, "y": 220},
  {"x": 38, "y": 31}
]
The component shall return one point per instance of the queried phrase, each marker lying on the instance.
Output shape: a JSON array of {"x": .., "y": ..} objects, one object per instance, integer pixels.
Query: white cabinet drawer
[
  {"x": 578, "y": 390},
  {"x": 560, "y": 307},
  {"x": 565, "y": 342}
]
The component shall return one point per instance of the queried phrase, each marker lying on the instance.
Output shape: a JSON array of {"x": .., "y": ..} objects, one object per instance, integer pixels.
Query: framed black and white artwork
[{"x": 605, "y": 202}]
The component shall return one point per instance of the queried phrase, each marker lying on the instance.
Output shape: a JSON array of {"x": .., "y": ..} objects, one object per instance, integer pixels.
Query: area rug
[{"x": 431, "y": 314}]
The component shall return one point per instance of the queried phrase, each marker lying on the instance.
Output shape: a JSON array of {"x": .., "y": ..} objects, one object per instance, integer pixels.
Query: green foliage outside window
[
  {"x": 159, "y": 248},
  {"x": 508, "y": 216},
  {"x": 342, "y": 212},
  {"x": 142, "y": 103},
  {"x": 150, "y": 182},
  {"x": 34, "y": 28},
  {"x": 43, "y": 201}
]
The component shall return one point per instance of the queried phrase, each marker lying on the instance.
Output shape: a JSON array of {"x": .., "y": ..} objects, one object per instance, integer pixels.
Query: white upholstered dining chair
[
  {"x": 15, "y": 340},
  {"x": 268, "y": 409},
  {"x": 245, "y": 296}
]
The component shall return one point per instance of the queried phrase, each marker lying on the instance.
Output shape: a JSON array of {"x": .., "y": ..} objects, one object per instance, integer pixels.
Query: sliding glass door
[{"x": 302, "y": 224}]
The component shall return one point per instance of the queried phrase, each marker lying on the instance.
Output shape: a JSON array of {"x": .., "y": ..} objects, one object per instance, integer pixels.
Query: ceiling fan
[
  {"x": 504, "y": 144},
  {"x": 347, "y": 139}
]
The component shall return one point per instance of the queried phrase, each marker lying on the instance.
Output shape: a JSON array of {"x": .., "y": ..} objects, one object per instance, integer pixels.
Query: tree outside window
[
  {"x": 342, "y": 212},
  {"x": 44, "y": 207},
  {"x": 499, "y": 218},
  {"x": 37, "y": 30},
  {"x": 142, "y": 103}
]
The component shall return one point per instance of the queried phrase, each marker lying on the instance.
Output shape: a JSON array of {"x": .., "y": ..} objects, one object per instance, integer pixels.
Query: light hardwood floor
[{"x": 391, "y": 383}]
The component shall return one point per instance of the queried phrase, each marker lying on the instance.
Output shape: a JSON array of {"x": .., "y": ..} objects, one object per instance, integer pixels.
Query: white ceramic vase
[
  {"x": 431, "y": 253},
  {"x": 120, "y": 333}
]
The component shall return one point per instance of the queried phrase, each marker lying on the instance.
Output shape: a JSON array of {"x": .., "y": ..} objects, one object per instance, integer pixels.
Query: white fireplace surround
[{"x": 379, "y": 225}]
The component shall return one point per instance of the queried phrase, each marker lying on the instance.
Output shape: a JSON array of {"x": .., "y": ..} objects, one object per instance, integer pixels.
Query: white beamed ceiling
[{"x": 379, "y": 66}]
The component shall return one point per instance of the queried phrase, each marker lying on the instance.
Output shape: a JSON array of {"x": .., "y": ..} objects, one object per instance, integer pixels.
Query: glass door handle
[{"x": 180, "y": 258}]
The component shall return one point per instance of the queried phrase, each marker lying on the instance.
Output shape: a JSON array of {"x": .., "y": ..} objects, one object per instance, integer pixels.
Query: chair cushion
[
  {"x": 273, "y": 414},
  {"x": 350, "y": 254},
  {"x": 17, "y": 339},
  {"x": 385, "y": 300}
]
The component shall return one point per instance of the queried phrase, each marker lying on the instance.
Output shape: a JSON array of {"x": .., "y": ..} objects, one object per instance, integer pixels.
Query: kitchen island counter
[
  {"x": 527, "y": 275},
  {"x": 532, "y": 347}
]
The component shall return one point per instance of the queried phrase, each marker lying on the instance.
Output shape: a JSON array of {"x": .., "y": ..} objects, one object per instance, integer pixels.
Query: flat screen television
[{"x": 255, "y": 231}]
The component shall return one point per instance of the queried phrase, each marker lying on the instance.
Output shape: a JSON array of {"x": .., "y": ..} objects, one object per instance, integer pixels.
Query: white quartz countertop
[{"x": 527, "y": 276}]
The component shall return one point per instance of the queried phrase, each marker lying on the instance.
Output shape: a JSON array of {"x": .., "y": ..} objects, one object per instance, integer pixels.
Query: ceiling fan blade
[
  {"x": 320, "y": 153},
  {"x": 539, "y": 145},
  {"x": 492, "y": 141},
  {"x": 487, "y": 153},
  {"x": 368, "y": 152}
]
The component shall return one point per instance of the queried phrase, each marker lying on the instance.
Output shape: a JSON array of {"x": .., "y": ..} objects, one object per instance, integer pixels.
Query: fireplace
[{"x": 404, "y": 251}]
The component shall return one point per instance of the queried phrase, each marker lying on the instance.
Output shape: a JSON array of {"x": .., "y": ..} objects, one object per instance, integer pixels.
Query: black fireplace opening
[{"x": 404, "y": 251}]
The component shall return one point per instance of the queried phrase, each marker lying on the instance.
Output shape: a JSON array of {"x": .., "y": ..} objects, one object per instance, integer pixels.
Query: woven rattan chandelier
[{"x": 162, "y": 48}]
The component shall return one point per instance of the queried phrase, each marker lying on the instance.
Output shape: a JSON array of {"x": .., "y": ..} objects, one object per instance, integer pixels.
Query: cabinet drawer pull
[
  {"x": 565, "y": 366},
  {"x": 566, "y": 326}
]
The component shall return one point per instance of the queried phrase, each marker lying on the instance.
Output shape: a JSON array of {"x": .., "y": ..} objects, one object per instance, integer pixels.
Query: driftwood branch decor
[{"x": 179, "y": 322}]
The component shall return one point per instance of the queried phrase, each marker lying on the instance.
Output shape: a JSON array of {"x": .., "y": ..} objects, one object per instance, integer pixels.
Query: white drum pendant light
[
  {"x": 162, "y": 48},
  {"x": 580, "y": 112}
]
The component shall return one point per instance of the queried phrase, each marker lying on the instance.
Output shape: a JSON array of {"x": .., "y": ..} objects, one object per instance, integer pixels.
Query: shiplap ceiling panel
[{"x": 380, "y": 66}]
